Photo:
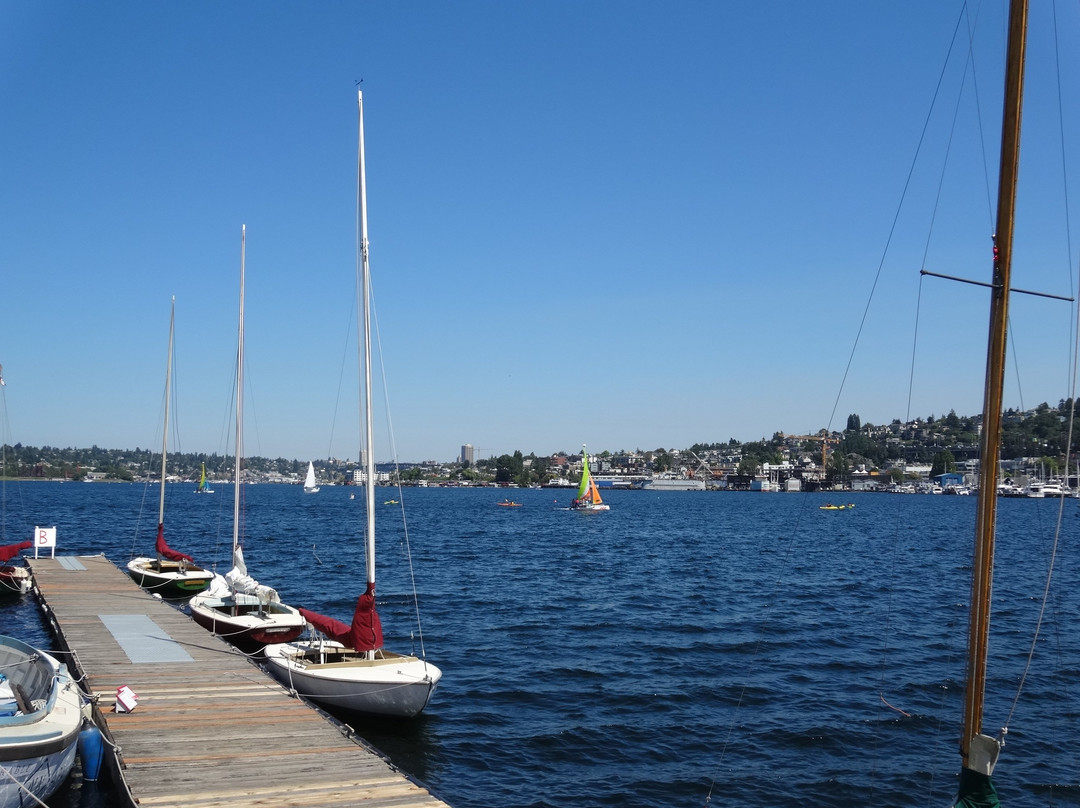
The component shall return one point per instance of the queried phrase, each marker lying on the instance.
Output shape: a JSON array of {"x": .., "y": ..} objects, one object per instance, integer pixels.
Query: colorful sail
[{"x": 203, "y": 488}]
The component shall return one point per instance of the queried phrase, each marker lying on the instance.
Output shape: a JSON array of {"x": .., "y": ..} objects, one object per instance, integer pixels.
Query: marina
[{"x": 209, "y": 727}]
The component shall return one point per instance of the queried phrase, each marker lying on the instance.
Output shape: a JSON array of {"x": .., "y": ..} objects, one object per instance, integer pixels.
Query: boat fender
[{"x": 91, "y": 746}]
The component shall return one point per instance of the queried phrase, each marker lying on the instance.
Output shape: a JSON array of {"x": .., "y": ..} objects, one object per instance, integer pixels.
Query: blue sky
[{"x": 625, "y": 224}]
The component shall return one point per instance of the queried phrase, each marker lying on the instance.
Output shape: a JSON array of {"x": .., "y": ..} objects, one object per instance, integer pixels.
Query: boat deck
[{"x": 210, "y": 728}]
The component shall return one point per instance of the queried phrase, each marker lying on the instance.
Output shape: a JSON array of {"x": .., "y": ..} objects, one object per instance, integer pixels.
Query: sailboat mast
[
  {"x": 983, "y": 563},
  {"x": 365, "y": 290},
  {"x": 239, "y": 395},
  {"x": 165, "y": 436}
]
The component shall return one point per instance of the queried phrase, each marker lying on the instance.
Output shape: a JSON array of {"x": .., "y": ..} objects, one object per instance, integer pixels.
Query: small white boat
[
  {"x": 170, "y": 573},
  {"x": 237, "y": 607},
  {"x": 350, "y": 670},
  {"x": 40, "y": 718},
  {"x": 309, "y": 482}
]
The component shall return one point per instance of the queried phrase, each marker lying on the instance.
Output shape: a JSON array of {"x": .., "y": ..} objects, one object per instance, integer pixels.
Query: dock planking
[{"x": 214, "y": 730}]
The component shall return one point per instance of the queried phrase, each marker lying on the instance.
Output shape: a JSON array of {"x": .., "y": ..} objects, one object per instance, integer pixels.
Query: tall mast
[
  {"x": 365, "y": 290},
  {"x": 165, "y": 436},
  {"x": 983, "y": 563},
  {"x": 239, "y": 395}
]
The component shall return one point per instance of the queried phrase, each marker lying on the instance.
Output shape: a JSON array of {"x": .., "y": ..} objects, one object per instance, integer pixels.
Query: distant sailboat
[
  {"x": 588, "y": 495},
  {"x": 204, "y": 486},
  {"x": 237, "y": 607},
  {"x": 351, "y": 670},
  {"x": 170, "y": 573},
  {"x": 309, "y": 482}
]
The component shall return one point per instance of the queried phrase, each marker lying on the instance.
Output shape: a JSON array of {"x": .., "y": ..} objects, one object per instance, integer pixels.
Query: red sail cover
[
  {"x": 365, "y": 633},
  {"x": 9, "y": 551},
  {"x": 163, "y": 548}
]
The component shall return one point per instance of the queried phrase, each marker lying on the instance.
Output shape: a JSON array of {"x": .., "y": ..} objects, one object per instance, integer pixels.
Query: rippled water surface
[{"x": 750, "y": 647}]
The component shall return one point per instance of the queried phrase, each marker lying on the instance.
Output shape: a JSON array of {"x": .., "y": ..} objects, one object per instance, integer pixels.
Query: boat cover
[
  {"x": 241, "y": 582},
  {"x": 365, "y": 633},
  {"x": 9, "y": 551},
  {"x": 163, "y": 548},
  {"x": 976, "y": 791}
]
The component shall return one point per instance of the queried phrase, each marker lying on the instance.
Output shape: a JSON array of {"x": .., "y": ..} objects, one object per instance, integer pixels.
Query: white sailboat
[
  {"x": 171, "y": 574},
  {"x": 309, "y": 482},
  {"x": 236, "y": 606},
  {"x": 350, "y": 670},
  {"x": 40, "y": 718}
]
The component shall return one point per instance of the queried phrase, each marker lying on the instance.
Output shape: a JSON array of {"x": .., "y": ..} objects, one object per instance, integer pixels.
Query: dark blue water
[{"x": 745, "y": 646}]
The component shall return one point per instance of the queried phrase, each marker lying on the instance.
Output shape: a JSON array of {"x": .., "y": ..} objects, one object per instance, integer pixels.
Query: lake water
[{"x": 745, "y": 648}]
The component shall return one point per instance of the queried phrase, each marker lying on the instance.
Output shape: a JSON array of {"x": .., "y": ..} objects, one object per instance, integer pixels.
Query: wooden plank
[{"x": 215, "y": 731}]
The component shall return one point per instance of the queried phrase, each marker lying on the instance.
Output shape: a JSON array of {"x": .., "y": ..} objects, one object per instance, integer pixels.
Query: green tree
[
  {"x": 944, "y": 463},
  {"x": 854, "y": 423}
]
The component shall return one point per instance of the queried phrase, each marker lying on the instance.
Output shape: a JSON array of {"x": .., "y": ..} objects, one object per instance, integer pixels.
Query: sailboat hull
[
  {"x": 335, "y": 677},
  {"x": 245, "y": 621},
  {"x": 37, "y": 748},
  {"x": 14, "y": 580},
  {"x": 168, "y": 579}
]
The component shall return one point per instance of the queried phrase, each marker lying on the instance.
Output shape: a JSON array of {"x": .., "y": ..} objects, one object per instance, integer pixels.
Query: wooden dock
[{"x": 211, "y": 728}]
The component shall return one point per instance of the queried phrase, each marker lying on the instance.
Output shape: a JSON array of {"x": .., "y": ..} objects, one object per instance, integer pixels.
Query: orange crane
[{"x": 825, "y": 441}]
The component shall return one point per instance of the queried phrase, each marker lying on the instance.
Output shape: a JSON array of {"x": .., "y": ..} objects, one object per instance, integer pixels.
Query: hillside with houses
[{"x": 859, "y": 457}]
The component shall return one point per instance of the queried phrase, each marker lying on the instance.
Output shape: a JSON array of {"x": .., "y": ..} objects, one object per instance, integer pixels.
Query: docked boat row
[{"x": 340, "y": 666}]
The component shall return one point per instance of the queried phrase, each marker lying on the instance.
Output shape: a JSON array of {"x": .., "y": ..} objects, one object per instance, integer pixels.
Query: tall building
[{"x": 467, "y": 454}]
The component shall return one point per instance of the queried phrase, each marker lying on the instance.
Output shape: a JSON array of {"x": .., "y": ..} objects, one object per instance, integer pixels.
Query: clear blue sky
[{"x": 626, "y": 224}]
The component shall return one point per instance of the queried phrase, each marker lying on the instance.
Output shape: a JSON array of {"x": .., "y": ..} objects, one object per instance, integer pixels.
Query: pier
[{"x": 210, "y": 727}]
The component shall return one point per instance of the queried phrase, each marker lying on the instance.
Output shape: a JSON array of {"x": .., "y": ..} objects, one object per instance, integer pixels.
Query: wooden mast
[{"x": 981, "y": 584}]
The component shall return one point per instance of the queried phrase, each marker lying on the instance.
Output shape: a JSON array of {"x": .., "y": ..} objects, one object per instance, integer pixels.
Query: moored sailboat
[
  {"x": 171, "y": 574},
  {"x": 236, "y": 606},
  {"x": 14, "y": 579},
  {"x": 588, "y": 497},
  {"x": 350, "y": 669}
]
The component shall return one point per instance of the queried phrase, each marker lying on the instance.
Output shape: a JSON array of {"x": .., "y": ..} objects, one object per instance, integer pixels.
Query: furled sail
[
  {"x": 365, "y": 633},
  {"x": 9, "y": 551},
  {"x": 165, "y": 551},
  {"x": 240, "y": 581}
]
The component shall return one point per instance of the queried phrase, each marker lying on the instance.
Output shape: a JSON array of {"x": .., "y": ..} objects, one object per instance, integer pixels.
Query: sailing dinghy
[
  {"x": 171, "y": 574},
  {"x": 588, "y": 495},
  {"x": 14, "y": 580},
  {"x": 204, "y": 486},
  {"x": 236, "y": 606},
  {"x": 309, "y": 482},
  {"x": 350, "y": 670}
]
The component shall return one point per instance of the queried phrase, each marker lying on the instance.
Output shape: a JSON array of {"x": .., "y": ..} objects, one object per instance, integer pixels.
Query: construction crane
[{"x": 825, "y": 441}]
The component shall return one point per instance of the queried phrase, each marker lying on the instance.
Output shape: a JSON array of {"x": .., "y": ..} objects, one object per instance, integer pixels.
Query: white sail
[{"x": 309, "y": 482}]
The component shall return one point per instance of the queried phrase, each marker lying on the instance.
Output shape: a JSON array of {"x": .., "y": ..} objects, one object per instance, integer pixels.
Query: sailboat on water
[
  {"x": 236, "y": 606},
  {"x": 310, "y": 487},
  {"x": 588, "y": 495},
  {"x": 204, "y": 486},
  {"x": 170, "y": 573},
  {"x": 350, "y": 669}
]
